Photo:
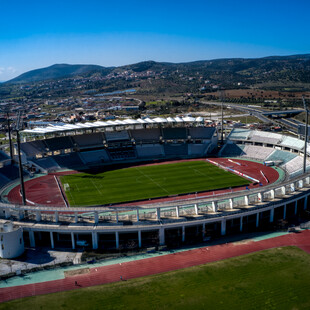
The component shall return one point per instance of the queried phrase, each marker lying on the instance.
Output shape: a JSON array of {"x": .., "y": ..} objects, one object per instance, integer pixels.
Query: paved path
[{"x": 155, "y": 265}]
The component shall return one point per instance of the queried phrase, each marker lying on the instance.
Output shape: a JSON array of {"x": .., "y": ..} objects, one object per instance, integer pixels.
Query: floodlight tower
[
  {"x": 6, "y": 109},
  {"x": 10, "y": 137},
  {"x": 306, "y": 133},
  {"x": 21, "y": 175},
  {"x": 222, "y": 98}
]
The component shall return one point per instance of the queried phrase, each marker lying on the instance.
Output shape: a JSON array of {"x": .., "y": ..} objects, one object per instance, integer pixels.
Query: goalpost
[{"x": 66, "y": 187}]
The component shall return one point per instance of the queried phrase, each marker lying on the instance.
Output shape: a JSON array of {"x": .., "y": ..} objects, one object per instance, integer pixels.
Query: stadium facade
[{"x": 156, "y": 224}]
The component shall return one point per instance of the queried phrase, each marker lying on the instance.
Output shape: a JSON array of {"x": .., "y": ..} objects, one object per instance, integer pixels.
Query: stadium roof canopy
[{"x": 62, "y": 128}]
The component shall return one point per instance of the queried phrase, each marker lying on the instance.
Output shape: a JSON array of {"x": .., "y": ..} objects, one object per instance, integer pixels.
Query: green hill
[{"x": 58, "y": 71}]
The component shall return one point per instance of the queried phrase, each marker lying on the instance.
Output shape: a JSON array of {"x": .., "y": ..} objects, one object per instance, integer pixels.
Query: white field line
[
  {"x": 96, "y": 187},
  {"x": 61, "y": 193},
  {"x": 154, "y": 181}
]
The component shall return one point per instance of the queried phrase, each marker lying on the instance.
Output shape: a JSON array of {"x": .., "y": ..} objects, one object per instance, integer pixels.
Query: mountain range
[{"x": 273, "y": 71}]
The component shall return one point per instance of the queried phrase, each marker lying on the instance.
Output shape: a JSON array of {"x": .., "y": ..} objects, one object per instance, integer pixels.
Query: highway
[{"x": 288, "y": 123}]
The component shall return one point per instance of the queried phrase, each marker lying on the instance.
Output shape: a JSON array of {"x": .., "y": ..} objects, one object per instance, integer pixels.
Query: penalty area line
[{"x": 61, "y": 192}]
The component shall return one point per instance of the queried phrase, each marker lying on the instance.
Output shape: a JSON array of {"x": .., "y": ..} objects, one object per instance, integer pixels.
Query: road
[{"x": 289, "y": 123}]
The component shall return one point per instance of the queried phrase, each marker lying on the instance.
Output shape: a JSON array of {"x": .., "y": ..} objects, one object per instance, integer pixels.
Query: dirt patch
[{"x": 77, "y": 272}]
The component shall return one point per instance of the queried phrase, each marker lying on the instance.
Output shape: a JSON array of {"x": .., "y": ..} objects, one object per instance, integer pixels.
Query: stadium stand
[
  {"x": 174, "y": 133},
  {"x": 88, "y": 140},
  {"x": 239, "y": 134},
  {"x": 292, "y": 142},
  {"x": 201, "y": 132},
  {"x": 232, "y": 149},
  {"x": 151, "y": 134},
  {"x": 150, "y": 150},
  {"x": 295, "y": 165},
  {"x": 257, "y": 152},
  {"x": 265, "y": 137},
  {"x": 117, "y": 135},
  {"x": 122, "y": 153},
  {"x": 46, "y": 163},
  {"x": 176, "y": 149},
  {"x": 95, "y": 157},
  {"x": 282, "y": 156},
  {"x": 10, "y": 171},
  {"x": 3, "y": 180},
  {"x": 70, "y": 161},
  {"x": 197, "y": 149},
  {"x": 60, "y": 143},
  {"x": 33, "y": 148},
  {"x": 116, "y": 143},
  {"x": 3, "y": 156}
]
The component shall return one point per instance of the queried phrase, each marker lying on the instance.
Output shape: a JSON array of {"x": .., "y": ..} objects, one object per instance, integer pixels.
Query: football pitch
[{"x": 144, "y": 182}]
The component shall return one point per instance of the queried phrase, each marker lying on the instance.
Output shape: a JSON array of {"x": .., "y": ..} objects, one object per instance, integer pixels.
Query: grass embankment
[
  {"x": 137, "y": 183},
  {"x": 272, "y": 279}
]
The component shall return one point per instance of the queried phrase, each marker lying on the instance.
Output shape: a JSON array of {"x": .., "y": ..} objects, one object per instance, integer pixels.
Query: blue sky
[{"x": 36, "y": 34}]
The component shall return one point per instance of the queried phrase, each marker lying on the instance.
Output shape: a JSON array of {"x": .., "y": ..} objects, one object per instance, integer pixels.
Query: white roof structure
[
  {"x": 100, "y": 124},
  {"x": 189, "y": 119}
]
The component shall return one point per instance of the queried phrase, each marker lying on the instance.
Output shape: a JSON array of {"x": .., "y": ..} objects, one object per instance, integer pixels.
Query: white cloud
[
  {"x": 11, "y": 69},
  {"x": 7, "y": 73}
]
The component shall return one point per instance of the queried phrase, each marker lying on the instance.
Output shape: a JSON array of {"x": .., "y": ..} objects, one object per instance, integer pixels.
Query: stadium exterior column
[
  {"x": 257, "y": 219},
  {"x": 260, "y": 197},
  {"x": 21, "y": 214},
  {"x": 139, "y": 238},
  {"x": 177, "y": 212},
  {"x": 95, "y": 240},
  {"x": 116, "y": 239},
  {"x": 284, "y": 212},
  {"x": 296, "y": 205},
  {"x": 72, "y": 241},
  {"x": 305, "y": 202},
  {"x": 283, "y": 190},
  {"x": 223, "y": 227},
  {"x": 56, "y": 217},
  {"x": 214, "y": 206},
  {"x": 196, "y": 209},
  {"x": 241, "y": 223},
  {"x": 246, "y": 200},
  {"x": 116, "y": 216},
  {"x": 7, "y": 213},
  {"x": 96, "y": 217},
  {"x": 158, "y": 213},
  {"x": 161, "y": 234},
  {"x": 231, "y": 203},
  {"x": 293, "y": 187},
  {"x": 75, "y": 217},
  {"x": 38, "y": 216},
  {"x": 203, "y": 230},
  {"x": 271, "y": 215},
  {"x": 138, "y": 215},
  {"x": 32, "y": 239},
  {"x": 52, "y": 240},
  {"x": 272, "y": 193},
  {"x": 183, "y": 233}
]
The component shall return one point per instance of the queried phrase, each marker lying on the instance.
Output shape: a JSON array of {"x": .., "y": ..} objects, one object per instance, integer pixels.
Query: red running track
[
  {"x": 155, "y": 265},
  {"x": 45, "y": 191}
]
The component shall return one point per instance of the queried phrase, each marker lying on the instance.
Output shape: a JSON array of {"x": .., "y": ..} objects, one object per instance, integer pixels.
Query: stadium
[{"x": 145, "y": 183}]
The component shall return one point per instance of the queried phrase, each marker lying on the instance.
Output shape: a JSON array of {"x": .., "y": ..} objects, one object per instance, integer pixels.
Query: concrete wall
[{"x": 11, "y": 243}]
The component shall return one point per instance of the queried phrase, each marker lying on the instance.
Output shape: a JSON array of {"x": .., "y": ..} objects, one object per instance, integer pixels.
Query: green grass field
[
  {"x": 273, "y": 279},
  {"x": 146, "y": 182}
]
